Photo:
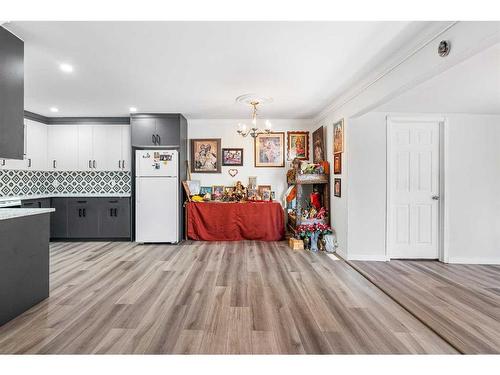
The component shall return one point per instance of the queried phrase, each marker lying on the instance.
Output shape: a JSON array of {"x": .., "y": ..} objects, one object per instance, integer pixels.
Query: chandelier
[{"x": 253, "y": 129}]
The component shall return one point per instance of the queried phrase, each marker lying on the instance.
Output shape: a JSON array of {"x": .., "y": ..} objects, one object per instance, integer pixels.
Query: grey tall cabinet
[
  {"x": 11, "y": 96},
  {"x": 161, "y": 131}
]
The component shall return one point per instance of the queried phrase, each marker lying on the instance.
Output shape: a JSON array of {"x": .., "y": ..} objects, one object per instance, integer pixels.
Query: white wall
[
  {"x": 226, "y": 130},
  {"x": 367, "y": 187},
  {"x": 472, "y": 187}
]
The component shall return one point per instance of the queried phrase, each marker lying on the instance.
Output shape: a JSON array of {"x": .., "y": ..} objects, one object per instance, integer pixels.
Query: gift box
[{"x": 295, "y": 244}]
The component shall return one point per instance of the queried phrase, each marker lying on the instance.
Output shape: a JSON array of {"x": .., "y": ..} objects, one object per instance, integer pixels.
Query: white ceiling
[
  {"x": 472, "y": 86},
  {"x": 198, "y": 68}
]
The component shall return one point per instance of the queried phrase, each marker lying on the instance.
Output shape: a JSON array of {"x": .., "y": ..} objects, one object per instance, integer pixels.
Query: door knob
[{"x": 435, "y": 197}]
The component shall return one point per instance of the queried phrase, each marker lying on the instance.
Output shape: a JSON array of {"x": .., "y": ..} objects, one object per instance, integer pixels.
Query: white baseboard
[
  {"x": 460, "y": 260},
  {"x": 368, "y": 257},
  {"x": 341, "y": 254}
]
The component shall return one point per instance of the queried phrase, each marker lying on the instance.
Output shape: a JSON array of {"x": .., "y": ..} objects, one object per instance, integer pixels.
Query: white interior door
[{"x": 413, "y": 189}]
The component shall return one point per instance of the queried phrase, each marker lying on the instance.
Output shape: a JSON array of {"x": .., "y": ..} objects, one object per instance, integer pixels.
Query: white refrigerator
[{"x": 156, "y": 196}]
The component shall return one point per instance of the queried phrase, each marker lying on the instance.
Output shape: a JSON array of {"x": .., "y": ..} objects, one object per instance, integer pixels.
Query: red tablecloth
[{"x": 213, "y": 221}]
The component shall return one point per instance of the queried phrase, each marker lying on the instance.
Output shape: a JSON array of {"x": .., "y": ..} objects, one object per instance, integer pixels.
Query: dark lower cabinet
[
  {"x": 59, "y": 218},
  {"x": 90, "y": 218},
  {"x": 114, "y": 218},
  {"x": 83, "y": 218}
]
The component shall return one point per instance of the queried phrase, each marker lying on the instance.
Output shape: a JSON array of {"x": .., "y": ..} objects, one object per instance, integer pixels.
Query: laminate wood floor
[
  {"x": 460, "y": 302},
  {"x": 199, "y": 297}
]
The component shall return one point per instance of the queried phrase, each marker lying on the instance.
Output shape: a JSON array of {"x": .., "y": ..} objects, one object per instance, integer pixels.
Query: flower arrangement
[
  {"x": 310, "y": 233},
  {"x": 308, "y": 230}
]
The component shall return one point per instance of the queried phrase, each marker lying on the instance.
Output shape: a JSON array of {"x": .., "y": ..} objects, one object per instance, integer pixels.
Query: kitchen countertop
[
  {"x": 41, "y": 196},
  {"x": 12, "y": 213}
]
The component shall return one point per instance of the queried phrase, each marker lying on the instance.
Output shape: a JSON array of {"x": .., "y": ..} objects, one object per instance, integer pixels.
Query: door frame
[{"x": 442, "y": 214}]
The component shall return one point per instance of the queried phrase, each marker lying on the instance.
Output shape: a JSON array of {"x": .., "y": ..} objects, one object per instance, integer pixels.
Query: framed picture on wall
[
  {"x": 232, "y": 156},
  {"x": 318, "y": 145},
  {"x": 206, "y": 155},
  {"x": 338, "y": 137},
  {"x": 337, "y": 164},
  {"x": 298, "y": 145},
  {"x": 337, "y": 187},
  {"x": 269, "y": 149}
]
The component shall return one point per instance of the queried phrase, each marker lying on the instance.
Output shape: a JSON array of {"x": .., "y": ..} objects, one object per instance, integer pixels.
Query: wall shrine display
[
  {"x": 206, "y": 155},
  {"x": 232, "y": 156},
  {"x": 337, "y": 164},
  {"x": 337, "y": 187},
  {"x": 338, "y": 137},
  {"x": 236, "y": 193},
  {"x": 318, "y": 145},
  {"x": 270, "y": 149},
  {"x": 298, "y": 145}
]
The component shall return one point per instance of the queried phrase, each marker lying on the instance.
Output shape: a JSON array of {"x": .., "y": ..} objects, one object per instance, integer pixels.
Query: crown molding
[{"x": 76, "y": 120}]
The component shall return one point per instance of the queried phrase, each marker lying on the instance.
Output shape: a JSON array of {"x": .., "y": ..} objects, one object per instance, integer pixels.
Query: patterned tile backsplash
[{"x": 17, "y": 182}]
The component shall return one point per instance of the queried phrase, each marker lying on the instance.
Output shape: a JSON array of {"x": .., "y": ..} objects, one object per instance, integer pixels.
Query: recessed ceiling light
[
  {"x": 54, "y": 109},
  {"x": 132, "y": 109},
  {"x": 66, "y": 68}
]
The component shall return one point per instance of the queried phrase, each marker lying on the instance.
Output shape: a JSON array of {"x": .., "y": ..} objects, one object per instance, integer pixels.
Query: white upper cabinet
[
  {"x": 126, "y": 147},
  {"x": 36, "y": 145},
  {"x": 62, "y": 147},
  {"x": 85, "y": 147},
  {"x": 74, "y": 148},
  {"x": 107, "y": 142}
]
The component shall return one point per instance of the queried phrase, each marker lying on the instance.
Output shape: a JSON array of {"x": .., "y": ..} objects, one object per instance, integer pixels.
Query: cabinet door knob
[
  {"x": 153, "y": 138},
  {"x": 119, "y": 164},
  {"x": 123, "y": 164},
  {"x": 54, "y": 164},
  {"x": 94, "y": 164}
]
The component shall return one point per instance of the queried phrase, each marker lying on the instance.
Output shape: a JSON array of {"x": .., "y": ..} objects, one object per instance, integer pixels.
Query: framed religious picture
[
  {"x": 298, "y": 145},
  {"x": 338, "y": 137},
  {"x": 205, "y": 190},
  {"x": 318, "y": 146},
  {"x": 337, "y": 164},
  {"x": 205, "y": 155},
  {"x": 232, "y": 156},
  {"x": 270, "y": 149},
  {"x": 217, "y": 192},
  {"x": 251, "y": 194},
  {"x": 337, "y": 187},
  {"x": 264, "y": 190}
]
